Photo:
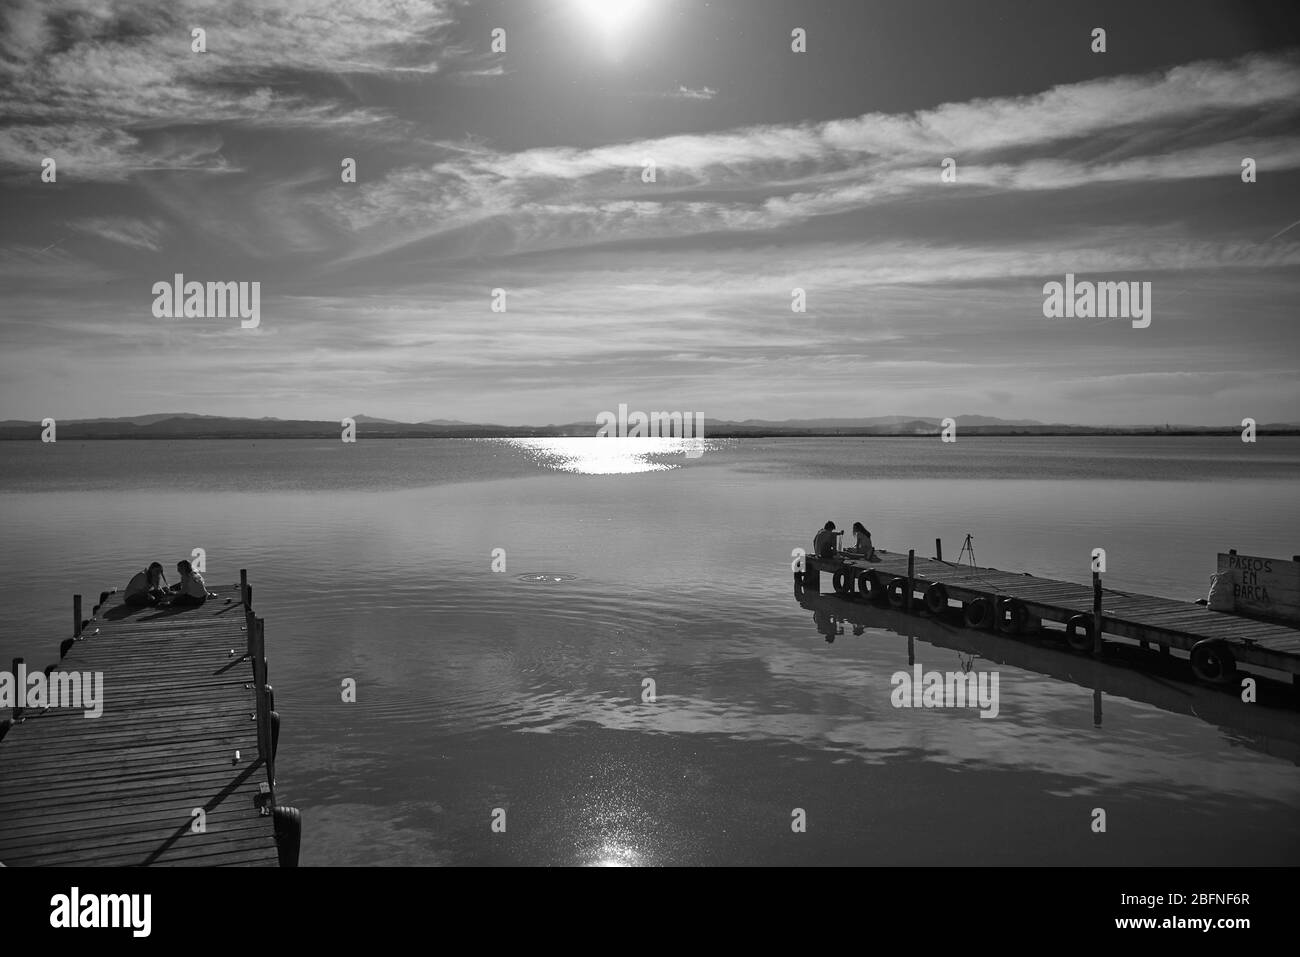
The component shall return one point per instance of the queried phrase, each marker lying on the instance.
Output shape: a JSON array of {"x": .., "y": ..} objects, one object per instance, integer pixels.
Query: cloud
[
  {"x": 87, "y": 80},
  {"x": 472, "y": 77},
  {"x": 1121, "y": 129},
  {"x": 682, "y": 93},
  {"x": 127, "y": 231}
]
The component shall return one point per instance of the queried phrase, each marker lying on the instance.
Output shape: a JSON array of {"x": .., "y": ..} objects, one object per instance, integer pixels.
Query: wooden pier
[
  {"x": 1017, "y": 604},
  {"x": 179, "y": 769}
]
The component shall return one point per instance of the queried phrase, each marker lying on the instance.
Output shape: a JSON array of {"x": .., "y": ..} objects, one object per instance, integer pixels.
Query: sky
[{"x": 524, "y": 170}]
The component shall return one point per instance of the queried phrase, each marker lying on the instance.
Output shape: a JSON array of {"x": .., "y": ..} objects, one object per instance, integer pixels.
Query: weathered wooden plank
[
  {"x": 201, "y": 847},
  {"x": 166, "y": 815},
  {"x": 164, "y": 805}
]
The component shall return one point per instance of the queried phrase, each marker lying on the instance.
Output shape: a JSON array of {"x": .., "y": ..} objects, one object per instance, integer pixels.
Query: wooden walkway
[
  {"x": 183, "y": 728},
  {"x": 1164, "y": 622}
]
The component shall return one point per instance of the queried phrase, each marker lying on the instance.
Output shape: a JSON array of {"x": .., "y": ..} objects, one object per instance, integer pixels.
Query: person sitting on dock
[
  {"x": 191, "y": 589},
  {"x": 824, "y": 541},
  {"x": 146, "y": 588},
  {"x": 862, "y": 542}
]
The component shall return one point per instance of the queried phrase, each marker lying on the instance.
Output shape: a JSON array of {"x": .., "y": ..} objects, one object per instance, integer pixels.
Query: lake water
[{"x": 479, "y": 689}]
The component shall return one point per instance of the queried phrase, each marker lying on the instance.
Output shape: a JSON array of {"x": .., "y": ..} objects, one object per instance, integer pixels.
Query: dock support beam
[
  {"x": 76, "y": 616},
  {"x": 1096, "y": 614},
  {"x": 938, "y": 550},
  {"x": 911, "y": 572}
]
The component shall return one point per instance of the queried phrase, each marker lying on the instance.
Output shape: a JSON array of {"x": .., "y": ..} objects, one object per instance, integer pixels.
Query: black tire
[
  {"x": 879, "y": 592},
  {"x": 897, "y": 592},
  {"x": 1078, "y": 633},
  {"x": 843, "y": 582},
  {"x": 977, "y": 612},
  {"x": 288, "y": 834},
  {"x": 867, "y": 586},
  {"x": 936, "y": 599},
  {"x": 1011, "y": 616},
  {"x": 1213, "y": 661}
]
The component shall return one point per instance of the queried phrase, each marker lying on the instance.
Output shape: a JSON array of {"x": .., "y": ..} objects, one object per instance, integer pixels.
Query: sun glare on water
[{"x": 609, "y": 456}]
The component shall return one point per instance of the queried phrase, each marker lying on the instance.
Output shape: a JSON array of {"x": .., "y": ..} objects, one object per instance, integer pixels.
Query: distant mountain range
[{"x": 188, "y": 425}]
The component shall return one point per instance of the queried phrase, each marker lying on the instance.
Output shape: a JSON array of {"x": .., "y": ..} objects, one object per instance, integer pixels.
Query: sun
[
  {"x": 610, "y": 16},
  {"x": 611, "y": 19}
]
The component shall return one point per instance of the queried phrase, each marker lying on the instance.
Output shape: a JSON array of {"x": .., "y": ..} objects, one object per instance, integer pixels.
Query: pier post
[
  {"x": 911, "y": 571},
  {"x": 261, "y": 699},
  {"x": 938, "y": 550},
  {"x": 20, "y": 692},
  {"x": 76, "y": 616},
  {"x": 243, "y": 587},
  {"x": 1096, "y": 613}
]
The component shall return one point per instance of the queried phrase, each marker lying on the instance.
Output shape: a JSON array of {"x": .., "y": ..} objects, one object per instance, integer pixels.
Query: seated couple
[
  {"x": 824, "y": 542},
  {"x": 147, "y": 589}
]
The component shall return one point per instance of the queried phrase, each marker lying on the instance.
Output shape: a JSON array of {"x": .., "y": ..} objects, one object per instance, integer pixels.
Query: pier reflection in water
[{"x": 1270, "y": 725}]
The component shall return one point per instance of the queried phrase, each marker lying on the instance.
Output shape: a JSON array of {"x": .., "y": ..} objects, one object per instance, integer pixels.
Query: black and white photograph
[{"x": 754, "y": 434}]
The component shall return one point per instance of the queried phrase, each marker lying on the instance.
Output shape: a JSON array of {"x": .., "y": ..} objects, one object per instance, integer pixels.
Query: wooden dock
[
  {"x": 1017, "y": 603},
  {"x": 179, "y": 769}
]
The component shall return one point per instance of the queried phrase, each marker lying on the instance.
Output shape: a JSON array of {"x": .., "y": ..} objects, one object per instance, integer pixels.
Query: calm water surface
[{"x": 478, "y": 690}]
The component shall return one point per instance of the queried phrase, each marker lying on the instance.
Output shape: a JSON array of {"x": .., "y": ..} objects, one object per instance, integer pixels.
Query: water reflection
[
  {"x": 616, "y": 855},
  {"x": 1272, "y": 729},
  {"x": 610, "y": 455}
]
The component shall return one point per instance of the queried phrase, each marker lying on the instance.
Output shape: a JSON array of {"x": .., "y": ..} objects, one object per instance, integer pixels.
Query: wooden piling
[
  {"x": 76, "y": 616},
  {"x": 938, "y": 550},
  {"x": 911, "y": 577},
  {"x": 262, "y": 689},
  {"x": 1096, "y": 613}
]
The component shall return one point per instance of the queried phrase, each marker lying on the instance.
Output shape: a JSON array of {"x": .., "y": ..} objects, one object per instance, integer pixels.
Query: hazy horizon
[{"x": 831, "y": 422}]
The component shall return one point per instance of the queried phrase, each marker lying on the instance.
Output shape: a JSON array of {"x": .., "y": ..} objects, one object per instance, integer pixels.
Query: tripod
[{"x": 967, "y": 548}]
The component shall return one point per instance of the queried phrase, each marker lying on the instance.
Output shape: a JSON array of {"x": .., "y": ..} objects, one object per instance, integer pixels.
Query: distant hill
[{"x": 188, "y": 425}]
